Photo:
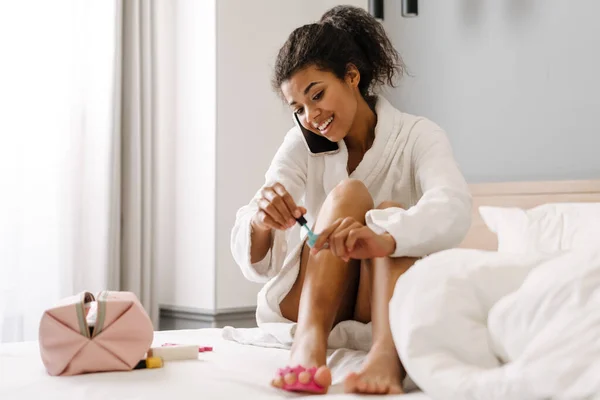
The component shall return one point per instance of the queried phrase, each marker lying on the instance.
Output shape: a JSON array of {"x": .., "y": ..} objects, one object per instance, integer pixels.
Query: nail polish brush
[{"x": 312, "y": 237}]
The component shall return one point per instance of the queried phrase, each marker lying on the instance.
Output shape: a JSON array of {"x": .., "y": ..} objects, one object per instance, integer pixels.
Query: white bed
[
  {"x": 232, "y": 370},
  {"x": 513, "y": 314}
]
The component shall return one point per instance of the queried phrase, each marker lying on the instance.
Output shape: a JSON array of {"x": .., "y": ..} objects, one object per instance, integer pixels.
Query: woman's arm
[
  {"x": 258, "y": 251},
  {"x": 441, "y": 218},
  {"x": 260, "y": 240}
]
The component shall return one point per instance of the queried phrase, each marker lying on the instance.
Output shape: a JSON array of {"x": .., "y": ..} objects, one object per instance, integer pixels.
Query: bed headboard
[{"x": 523, "y": 195}]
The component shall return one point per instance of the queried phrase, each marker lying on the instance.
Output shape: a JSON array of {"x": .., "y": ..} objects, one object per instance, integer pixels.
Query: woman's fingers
[
  {"x": 279, "y": 209},
  {"x": 340, "y": 237},
  {"x": 271, "y": 210},
  {"x": 336, "y": 242},
  {"x": 287, "y": 200},
  {"x": 266, "y": 221},
  {"x": 354, "y": 235},
  {"x": 278, "y": 204},
  {"x": 336, "y": 238},
  {"x": 277, "y": 201}
]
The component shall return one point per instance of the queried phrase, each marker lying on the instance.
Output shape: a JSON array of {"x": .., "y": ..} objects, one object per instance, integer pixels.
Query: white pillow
[{"x": 547, "y": 228}]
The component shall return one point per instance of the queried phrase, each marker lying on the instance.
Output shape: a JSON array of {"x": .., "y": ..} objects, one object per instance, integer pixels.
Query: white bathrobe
[{"x": 410, "y": 162}]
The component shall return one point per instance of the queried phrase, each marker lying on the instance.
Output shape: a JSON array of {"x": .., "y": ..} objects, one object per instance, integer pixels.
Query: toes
[
  {"x": 299, "y": 379},
  {"x": 372, "y": 386},
  {"x": 304, "y": 377},
  {"x": 362, "y": 386},
  {"x": 323, "y": 377},
  {"x": 377, "y": 386},
  {"x": 395, "y": 389},
  {"x": 351, "y": 383},
  {"x": 355, "y": 383},
  {"x": 277, "y": 382},
  {"x": 383, "y": 387},
  {"x": 289, "y": 378}
]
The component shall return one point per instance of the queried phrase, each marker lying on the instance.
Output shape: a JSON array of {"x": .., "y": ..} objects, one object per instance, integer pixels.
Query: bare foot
[
  {"x": 381, "y": 373},
  {"x": 307, "y": 351}
]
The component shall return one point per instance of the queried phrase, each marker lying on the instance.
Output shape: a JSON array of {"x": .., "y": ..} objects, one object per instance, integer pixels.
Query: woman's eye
[
  {"x": 299, "y": 111},
  {"x": 318, "y": 95}
]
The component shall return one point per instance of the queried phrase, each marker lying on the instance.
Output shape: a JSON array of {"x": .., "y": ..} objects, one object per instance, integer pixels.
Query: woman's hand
[
  {"x": 276, "y": 209},
  {"x": 348, "y": 238}
]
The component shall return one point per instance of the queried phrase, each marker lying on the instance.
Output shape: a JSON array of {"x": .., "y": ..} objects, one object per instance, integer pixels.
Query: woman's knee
[{"x": 352, "y": 192}]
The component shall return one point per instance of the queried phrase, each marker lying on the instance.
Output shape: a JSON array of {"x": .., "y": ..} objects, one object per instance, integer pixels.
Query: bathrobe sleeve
[
  {"x": 288, "y": 167},
  {"x": 442, "y": 216}
]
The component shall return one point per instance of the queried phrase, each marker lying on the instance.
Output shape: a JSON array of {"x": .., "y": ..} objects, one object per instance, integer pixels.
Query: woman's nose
[{"x": 311, "y": 116}]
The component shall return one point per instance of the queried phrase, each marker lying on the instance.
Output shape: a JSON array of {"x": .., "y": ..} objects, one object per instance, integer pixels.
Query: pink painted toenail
[
  {"x": 290, "y": 379},
  {"x": 294, "y": 380},
  {"x": 304, "y": 377}
]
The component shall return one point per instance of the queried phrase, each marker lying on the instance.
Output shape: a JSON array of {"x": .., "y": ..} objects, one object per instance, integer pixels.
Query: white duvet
[{"x": 470, "y": 324}]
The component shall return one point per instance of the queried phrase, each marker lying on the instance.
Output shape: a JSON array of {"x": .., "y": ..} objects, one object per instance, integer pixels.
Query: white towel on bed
[{"x": 347, "y": 334}]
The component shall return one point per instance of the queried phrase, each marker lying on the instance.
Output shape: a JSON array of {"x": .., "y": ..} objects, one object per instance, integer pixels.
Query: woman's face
[{"x": 324, "y": 104}]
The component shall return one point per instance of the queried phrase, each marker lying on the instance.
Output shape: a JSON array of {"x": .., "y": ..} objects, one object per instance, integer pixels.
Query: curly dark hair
[{"x": 344, "y": 35}]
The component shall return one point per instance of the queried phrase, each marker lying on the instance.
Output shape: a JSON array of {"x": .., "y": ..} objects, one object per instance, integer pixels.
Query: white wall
[
  {"x": 186, "y": 152},
  {"x": 515, "y": 83},
  {"x": 251, "y": 119},
  {"x": 219, "y": 125}
]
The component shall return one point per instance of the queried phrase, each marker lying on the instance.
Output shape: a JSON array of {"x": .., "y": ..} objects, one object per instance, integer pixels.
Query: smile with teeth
[{"x": 325, "y": 124}]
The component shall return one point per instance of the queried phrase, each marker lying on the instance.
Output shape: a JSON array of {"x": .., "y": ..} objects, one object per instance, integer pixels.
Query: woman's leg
[
  {"x": 325, "y": 290},
  {"x": 382, "y": 371}
]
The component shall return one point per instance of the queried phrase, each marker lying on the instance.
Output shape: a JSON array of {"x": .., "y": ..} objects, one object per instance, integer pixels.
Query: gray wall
[{"x": 516, "y": 84}]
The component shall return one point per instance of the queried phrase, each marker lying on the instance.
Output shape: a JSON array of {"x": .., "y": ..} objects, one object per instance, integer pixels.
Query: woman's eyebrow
[{"x": 310, "y": 85}]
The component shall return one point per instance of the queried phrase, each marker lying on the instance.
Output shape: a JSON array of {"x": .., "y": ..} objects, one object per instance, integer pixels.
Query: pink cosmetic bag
[{"x": 116, "y": 340}]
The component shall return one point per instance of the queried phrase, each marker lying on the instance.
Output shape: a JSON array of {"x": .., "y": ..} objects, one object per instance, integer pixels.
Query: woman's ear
[{"x": 352, "y": 75}]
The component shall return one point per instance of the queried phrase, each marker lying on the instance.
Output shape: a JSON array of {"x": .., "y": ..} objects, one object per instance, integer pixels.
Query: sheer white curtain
[
  {"x": 135, "y": 188},
  {"x": 75, "y": 155}
]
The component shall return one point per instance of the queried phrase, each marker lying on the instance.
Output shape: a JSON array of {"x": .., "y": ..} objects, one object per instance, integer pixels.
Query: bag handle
[
  {"x": 102, "y": 296},
  {"x": 84, "y": 297}
]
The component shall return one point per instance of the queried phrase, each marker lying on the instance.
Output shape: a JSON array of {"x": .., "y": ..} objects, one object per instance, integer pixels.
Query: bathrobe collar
[{"x": 388, "y": 141}]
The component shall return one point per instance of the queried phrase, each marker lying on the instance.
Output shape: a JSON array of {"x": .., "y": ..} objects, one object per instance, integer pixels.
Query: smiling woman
[
  {"x": 347, "y": 44},
  {"x": 379, "y": 186},
  {"x": 318, "y": 97}
]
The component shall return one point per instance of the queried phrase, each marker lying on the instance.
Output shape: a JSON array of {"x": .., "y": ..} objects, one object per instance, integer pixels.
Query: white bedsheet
[
  {"x": 471, "y": 324},
  {"x": 231, "y": 371}
]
